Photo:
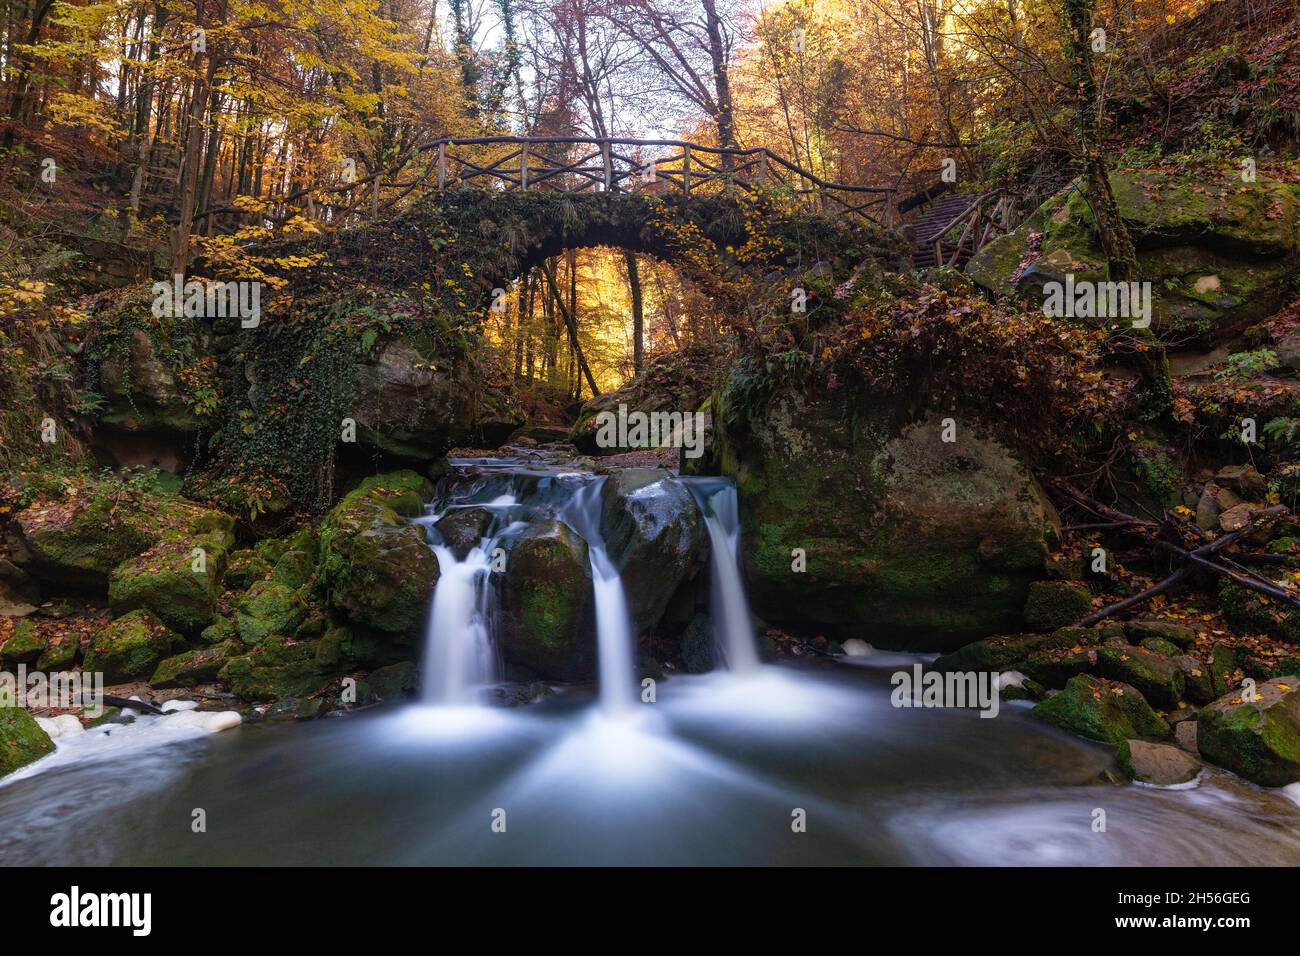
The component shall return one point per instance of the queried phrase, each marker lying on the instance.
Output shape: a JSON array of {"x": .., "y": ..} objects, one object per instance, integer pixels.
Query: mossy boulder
[
  {"x": 179, "y": 579},
  {"x": 130, "y": 648},
  {"x": 245, "y": 568},
  {"x": 463, "y": 529},
  {"x": 1178, "y": 634},
  {"x": 1198, "y": 683},
  {"x": 1159, "y": 678},
  {"x": 1014, "y": 652},
  {"x": 23, "y": 646},
  {"x": 200, "y": 666},
  {"x": 390, "y": 683},
  {"x": 1109, "y": 712},
  {"x": 268, "y": 608},
  {"x": 21, "y": 740},
  {"x": 60, "y": 653},
  {"x": 80, "y": 541},
  {"x": 1258, "y": 739},
  {"x": 376, "y": 568},
  {"x": 654, "y": 536},
  {"x": 1218, "y": 252},
  {"x": 547, "y": 622},
  {"x": 276, "y": 668},
  {"x": 1053, "y": 604},
  {"x": 905, "y": 539}
]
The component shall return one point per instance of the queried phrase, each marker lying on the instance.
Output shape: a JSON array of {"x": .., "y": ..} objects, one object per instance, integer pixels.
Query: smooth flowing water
[
  {"x": 710, "y": 774},
  {"x": 714, "y": 770},
  {"x": 732, "y": 626},
  {"x": 614, "y": 642}
]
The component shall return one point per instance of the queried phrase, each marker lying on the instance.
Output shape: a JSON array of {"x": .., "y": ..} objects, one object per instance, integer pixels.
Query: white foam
[
  {"x": 64, "y": 725},
  {"x": 854, "y": 647},
  {"x": 172, "y": 706}
]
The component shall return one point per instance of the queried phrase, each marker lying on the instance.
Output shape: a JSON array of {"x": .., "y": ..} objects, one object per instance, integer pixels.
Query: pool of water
[{"x": 717, "y": 771}]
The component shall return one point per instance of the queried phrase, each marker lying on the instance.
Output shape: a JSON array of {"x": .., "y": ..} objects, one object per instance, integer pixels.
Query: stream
[{"x": 793, "y": 763}]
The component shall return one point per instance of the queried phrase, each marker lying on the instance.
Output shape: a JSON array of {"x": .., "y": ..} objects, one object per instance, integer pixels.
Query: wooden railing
[
  {"x": 998, "y": 221},
  {"x": 575, "y": 164}
]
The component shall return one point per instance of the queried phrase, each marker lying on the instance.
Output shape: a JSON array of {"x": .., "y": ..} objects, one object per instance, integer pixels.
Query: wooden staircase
[{"x": 951, "y": 227}]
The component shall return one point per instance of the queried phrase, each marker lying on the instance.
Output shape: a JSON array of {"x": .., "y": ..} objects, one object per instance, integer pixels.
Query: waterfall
[
  {"x": 733, "y": 633},
  {"x": 614, "y": 639},
  {"x": 459, "y": 658}
]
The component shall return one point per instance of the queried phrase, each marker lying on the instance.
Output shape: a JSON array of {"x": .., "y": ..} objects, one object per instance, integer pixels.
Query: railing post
[
  {"x": 442, "y": 165},
  {"x": 686, "y": 171},
  {"x": 523, "y": 167},
  {"x": 609, "y": 165}
]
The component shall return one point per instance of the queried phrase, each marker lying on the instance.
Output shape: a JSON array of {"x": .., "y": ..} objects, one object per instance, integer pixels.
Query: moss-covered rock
[
  {"x": 81, "y": 541},
  {"x": 1015, "y": 652},
  {"x": 61, "y": 650},
  {"x": 1218, "y": 253},
  {"x": 130, "y": 648},
  {"x": 1106, "y": 711},
  {"x": 1258, "y": 739},
  {"x": 245, "y": 568},
  {"x": 178, "y": 579},
  {"x": 884, "y": 517},
  {"x": 375, "y": 568},
  {"x": 1053, "y": 604},
  {"x": 24, "y": 645},
  {"x": 1178, "y": 634},
  {"x": 390, "y": 683},
  {"x": 654, "y": 535},
  {"x": 21, "y": 740},
  {"x": 1158, "y": 677},
  {"x": 276, "y": 668},
  {"x": 464, "y": 529},
  {"x": 1198, "y": 684},
  {"x": 199, "y": 666},
  {"x": 547, "y": 622},
  {"x": 268, "y": 608}
]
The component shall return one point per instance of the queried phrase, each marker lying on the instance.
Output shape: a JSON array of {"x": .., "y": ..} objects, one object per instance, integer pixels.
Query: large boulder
[
  {"x": 200, "y": 666},
  {"x": 22, "y": 645},
  {"x": 412, "y": 403},
  {"x": 547, "y": 622},
  {"x": 1219, "y": 253},
  {"x": 654, "y": 536},
  {"x": 80, "y": 540},
  {"x": 268, "y": 608},
  {"x": 130, "y": 648},
  {"x": 278, "y": 667},
  {"x": 140, "y": 386},
  {"x": 909, "y": 540},
  {"x": 1108, "y": 712},
  {"x": 376, "y": 568},
  {"x": 21, "y": 740},
  {"x": 1258, "y": 739},
  {"x": 179, "y": 579}
]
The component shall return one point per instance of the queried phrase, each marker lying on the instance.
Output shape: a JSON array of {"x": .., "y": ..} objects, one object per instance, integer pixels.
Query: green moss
[
  {"x": 199, "y": 666},
  {"x": 24, "y": 645},
  {"x": 268, "y": 608},
  {"x": 277, "y": 668},
  {"x": 21, "y": 740},
  {"x": 1260, "y": 739},
  {"x": 1053, "y": 604},
  {"x": 174, "y": 582},
  {"x": 129, "y": 648},
  {"x": 1103, "y": 711}
]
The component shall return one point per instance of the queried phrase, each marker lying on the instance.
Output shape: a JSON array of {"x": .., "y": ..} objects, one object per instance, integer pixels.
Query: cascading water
[
  {"x": 460, "y": 657},
  {"x": 614, "y": 644},
  {"x": 733, "y": 633}
]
